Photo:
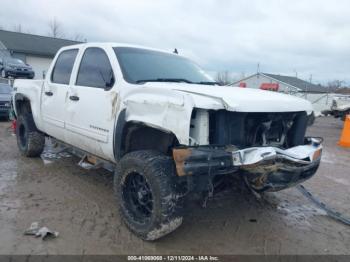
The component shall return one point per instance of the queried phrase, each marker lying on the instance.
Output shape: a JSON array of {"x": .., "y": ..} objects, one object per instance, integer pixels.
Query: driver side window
[{"x": 95, "y": 69}]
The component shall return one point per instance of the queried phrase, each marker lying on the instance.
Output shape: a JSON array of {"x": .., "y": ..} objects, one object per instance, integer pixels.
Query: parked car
[
  {"x": 165, "y": 127},
  {"x": 5, "y": 100},
  {"x": 340, "y": 107},
  {"x": 16, "y": 68}
]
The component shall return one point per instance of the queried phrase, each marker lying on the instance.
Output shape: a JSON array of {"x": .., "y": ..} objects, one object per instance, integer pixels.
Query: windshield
[
  {"x": 15, "y": 61},
  {"x": 142, "y": 65},
  {"x": 5, "y": 89}
]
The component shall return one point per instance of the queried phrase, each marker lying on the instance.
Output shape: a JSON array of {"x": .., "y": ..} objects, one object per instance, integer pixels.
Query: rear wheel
[
  {"x": 30, "y": 140},
  {"x": 145, "y": 190}
]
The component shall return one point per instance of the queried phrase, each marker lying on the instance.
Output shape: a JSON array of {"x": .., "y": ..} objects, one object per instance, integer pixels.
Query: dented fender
[{"x": 162, "y": 109}]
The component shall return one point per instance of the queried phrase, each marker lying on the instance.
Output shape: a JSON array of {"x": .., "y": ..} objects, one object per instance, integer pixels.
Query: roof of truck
[{"x": 116, "y": 44}]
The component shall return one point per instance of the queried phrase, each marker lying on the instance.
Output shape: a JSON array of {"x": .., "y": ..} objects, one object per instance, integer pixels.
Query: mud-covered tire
[
  {"x": 30, "y": 140},
  {"x": 158, "y": 172}
]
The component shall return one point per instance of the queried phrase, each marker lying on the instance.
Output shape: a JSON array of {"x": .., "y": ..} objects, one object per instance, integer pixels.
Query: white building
[
  {"x": 286, "y": 84},
  {"x": 316, "y": 94},
  {"x": 35, "y": 50}
]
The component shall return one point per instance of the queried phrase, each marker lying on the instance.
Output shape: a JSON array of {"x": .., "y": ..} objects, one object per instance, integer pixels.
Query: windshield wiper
[{"x": 176, "y": 80}]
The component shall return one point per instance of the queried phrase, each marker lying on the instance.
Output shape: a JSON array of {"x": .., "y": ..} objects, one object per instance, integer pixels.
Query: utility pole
[{"x": 296, "y": 73}]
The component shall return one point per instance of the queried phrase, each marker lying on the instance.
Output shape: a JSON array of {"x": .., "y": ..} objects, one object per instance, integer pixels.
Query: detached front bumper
[{"x": 264, "y": 168}]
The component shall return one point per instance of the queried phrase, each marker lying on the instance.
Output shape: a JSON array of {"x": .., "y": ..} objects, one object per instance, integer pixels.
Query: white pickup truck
[{"x": 166, "y": 127}]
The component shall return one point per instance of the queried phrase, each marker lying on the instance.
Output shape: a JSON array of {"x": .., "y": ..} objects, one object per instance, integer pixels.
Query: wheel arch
[
  {"x": 22, "y": 104},
  {"x": 132, "y": 135}
]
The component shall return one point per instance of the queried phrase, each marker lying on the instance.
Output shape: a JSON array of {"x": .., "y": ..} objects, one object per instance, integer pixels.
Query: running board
[{"x": 90, "y": 162}]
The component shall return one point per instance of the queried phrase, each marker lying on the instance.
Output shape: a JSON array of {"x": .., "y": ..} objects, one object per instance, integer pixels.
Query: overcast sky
[{"x": 307, "y": 37}]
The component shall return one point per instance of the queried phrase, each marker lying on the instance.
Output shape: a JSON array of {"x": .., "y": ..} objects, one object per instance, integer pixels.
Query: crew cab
[{"x": 166, "y": 127}]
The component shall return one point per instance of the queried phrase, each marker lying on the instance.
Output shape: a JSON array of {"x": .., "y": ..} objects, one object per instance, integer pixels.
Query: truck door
[
  {"x": 91, "y": 100},
  {"x": 55, "y": 91}
]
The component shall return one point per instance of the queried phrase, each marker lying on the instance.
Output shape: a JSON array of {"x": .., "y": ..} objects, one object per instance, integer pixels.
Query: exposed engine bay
[{"x": 243, "y": 130}]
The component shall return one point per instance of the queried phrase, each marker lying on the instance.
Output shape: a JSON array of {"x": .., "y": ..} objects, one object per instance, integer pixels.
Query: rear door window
[
  {"x": 63, "y": 67},
  {"x": 95, "y": 69}
]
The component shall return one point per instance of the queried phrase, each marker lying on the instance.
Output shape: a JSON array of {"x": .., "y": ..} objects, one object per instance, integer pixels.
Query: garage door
[{"x": 39, "y": 64}]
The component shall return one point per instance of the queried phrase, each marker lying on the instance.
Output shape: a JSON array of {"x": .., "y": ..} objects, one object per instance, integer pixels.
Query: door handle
[
  {"x": 48, "y": 93},
  {"x": 74, "y": 98}
]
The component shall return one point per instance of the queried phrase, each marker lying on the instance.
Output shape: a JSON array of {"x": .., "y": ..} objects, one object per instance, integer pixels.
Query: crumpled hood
[{"x": 237, "y": 99}]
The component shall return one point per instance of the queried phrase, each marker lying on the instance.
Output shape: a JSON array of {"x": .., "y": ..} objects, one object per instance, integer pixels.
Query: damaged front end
[
  {"x": 264, "y": 168},
  {"x": 269, "y": 150}
]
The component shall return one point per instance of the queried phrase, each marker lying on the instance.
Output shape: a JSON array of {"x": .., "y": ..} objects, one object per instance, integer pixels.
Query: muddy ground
[{"x": 79, "y": 204}]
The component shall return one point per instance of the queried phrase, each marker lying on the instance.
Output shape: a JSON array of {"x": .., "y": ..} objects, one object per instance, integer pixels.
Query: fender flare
[
  {"x": 118, "y": 135},
  {"x": 19, "y": 97}
]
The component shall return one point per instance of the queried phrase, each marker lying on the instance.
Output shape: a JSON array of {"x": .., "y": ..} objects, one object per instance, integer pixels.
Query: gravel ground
[{"x": 79, "y": 204}]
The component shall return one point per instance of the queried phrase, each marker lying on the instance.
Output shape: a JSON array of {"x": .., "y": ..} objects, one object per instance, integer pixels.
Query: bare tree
[
  {"x": 223, "y": 78},
  {"x": 79, "y": 37},
  {"x": 55, "y": 28},
  {"x": 334, "y": 85}
]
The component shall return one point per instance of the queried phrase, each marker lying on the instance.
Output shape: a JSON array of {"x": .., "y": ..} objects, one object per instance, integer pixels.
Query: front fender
[{"x": 163, "y": 109}]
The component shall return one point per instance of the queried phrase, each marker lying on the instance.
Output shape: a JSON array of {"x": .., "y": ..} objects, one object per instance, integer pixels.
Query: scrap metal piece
[
  {"x": 330, "y": 212},
  {"x": 33, "y": 229},
  {"x": 89, "y": 162},
  {"x": 43, "y": 232}
]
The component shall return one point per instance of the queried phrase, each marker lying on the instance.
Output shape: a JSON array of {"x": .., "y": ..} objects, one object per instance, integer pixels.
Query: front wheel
[
  {"x": 30, "y": 140},
  {"x": 145, "y": 190}
]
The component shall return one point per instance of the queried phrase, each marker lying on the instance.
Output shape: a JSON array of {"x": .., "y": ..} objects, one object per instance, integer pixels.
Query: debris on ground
[
  {"x": 43, "y": 232},
  {"x": 53, "y": 152}
]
